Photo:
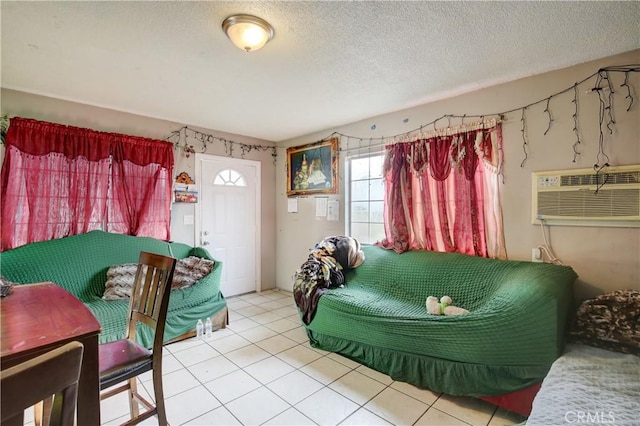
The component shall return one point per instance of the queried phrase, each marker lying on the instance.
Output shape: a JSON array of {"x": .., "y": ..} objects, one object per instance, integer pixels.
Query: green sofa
[
  {"x": 508, "y": 341},
  {"x": 79, "y": 264}
]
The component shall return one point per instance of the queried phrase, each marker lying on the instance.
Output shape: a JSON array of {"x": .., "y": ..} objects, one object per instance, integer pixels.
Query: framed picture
[{"x": 313, "y": 168}]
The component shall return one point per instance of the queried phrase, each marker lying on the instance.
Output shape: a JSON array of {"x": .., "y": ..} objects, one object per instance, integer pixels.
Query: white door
[{"x": 228, "y": 219}]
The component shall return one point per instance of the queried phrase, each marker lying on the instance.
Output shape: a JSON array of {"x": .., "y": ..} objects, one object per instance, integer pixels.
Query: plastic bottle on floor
[
  {"x": 199, "y": 329},
  {"x": 208, "y": 328}
]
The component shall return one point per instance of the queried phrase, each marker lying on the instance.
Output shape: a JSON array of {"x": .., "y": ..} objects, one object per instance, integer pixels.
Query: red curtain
[
  {"x": 442, "y": 193},
  {"x": 59, "y": 180}
]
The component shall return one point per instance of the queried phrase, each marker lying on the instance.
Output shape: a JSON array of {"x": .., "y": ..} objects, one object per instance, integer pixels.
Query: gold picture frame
[{"x": 313, "y": 168}]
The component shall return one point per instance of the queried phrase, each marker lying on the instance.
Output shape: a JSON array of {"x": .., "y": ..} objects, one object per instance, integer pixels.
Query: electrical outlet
[{"x": 536, "y": 255}]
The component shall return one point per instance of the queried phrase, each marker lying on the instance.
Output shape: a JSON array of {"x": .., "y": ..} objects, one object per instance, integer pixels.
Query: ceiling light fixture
[{"x": 247, "y": 32}]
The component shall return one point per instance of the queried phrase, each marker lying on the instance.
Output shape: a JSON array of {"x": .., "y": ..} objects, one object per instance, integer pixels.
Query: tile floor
[{"x": 261, "y": 370}]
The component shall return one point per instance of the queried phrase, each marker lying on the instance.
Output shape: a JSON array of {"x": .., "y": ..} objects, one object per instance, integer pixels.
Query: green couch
[
  {"x": 79, "y": 264},
  {"x": 508, "y": 341}
]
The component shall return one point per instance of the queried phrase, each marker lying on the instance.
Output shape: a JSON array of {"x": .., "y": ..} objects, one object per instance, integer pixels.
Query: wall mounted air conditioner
[{"x": 582, "y": 197}]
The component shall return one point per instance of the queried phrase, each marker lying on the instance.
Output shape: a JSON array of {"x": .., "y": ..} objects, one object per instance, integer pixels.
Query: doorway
[{"x": 227, "y": 219}]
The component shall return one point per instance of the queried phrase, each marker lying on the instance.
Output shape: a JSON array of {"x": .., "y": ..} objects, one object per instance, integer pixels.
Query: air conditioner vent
[
  {"x": 600, "y": 179},
  {"x": 584, "y": 198}
]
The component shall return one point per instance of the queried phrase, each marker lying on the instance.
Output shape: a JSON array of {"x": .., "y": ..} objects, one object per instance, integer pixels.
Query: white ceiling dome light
[{"x": 247, "y": 32}]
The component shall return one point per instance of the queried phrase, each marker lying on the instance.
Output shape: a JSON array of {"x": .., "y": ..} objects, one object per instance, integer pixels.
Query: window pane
[
  {"x": 376, "y": 232},
  {"x": 360, "y": 231},
  {"x": 376, "y": 166},
  {"x": 377, "y": 211},
  {"x": 360, "y": 190},
  {"x": 360, "y": 211},
  {"x": 359, "y": 168},
  {"x": 377, "y": 189}
]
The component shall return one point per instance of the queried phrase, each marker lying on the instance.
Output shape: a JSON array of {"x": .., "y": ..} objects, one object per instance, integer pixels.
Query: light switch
[{"x": 188, "y": 219}]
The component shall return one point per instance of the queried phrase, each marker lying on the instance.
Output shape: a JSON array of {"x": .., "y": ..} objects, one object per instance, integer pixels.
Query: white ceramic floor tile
[
  {"x": 327, "y": 407},
  {"x": 265, "y": 318},
  {"x": 196, "y": 354},
  {"x": 504, "y": 417},
  {"x": 242, "y": 325},
  {"x": 282, "y": 325},
  {"x": 220, "y": 334},
  {"x": 276, "y": 344},
  {"x": 357, "y": 387},
  {"x": 237, "y": 304},
  {"x": 424, "y": 395},
  {"x": 247, "y": 355},
  {"x": 269, "y": 369},
  {"x": 286, "y": 311},
  {"x": 295, "y": 386},
  {"x": 218, "y": 417},
  {"x": 470, "y": 410},
  {"x": 396, "y": 407},
  {"x": 257, "y": 333},
  {"x": 250, "y": 311},
  {"x": 271, "y": 305},
  {"x": 186, "y": 406},
  {"x": 175, "y": 382},
  {"x": 257, "y": 299},
  {"x": 298, "y": 334},
  {"x": 299, "y": 356},
  {"x": 343, "y": 360},
  {"x": 376, "y": 375},
  {"x": 232, "y": 386},
  {"x": 211, "y": 369},
  {"x": 229, "y": 343},
  {"x": 435, "y": 417},
  {"x": 183, "y": 344},
  {"x": 290, "y": 417},
  {"x": 257, "y": 407},
  {"x": 364, "y": 417},
  {"x": 325, "y": 370}
]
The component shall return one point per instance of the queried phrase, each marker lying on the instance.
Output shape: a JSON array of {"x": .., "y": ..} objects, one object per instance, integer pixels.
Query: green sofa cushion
[
  {"x": 513, "y": 333},
  {"x": 79, "y": 264}
]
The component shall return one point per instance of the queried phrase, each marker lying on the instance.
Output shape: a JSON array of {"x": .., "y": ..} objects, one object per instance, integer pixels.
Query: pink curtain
[
  {"x": 58, "y": 181},
  {"x": 443, "y": 193},
  {"x": 140, "y": 198}
]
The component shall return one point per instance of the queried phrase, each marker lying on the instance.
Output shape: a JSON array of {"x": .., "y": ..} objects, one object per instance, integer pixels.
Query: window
[
  {"x": 229, "y": 177},
  {"x": 365, "y": 198}
]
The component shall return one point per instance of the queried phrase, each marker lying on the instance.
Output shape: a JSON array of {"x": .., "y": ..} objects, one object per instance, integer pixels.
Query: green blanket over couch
[
  {"x": 508, "y": 341},
  {"x": 79, "y": 264}
]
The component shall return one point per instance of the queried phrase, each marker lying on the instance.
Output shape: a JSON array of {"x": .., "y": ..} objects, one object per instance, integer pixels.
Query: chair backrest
[
  {"x": 150, "y": 295},
  {"x": 55, "y": 372}
]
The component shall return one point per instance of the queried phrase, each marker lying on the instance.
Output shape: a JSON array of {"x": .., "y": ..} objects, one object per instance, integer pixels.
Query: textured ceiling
[{"x": 330, "y": 63}]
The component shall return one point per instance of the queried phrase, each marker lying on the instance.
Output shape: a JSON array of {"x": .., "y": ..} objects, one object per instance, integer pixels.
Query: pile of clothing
[{"x": 323, "y": 271}]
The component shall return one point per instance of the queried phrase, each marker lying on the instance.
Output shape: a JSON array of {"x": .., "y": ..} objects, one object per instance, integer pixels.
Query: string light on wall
[
  {"x": 606, "y": 113},
  {"x": 182, "y": 138},
  {"x": 576, "y": 153}
]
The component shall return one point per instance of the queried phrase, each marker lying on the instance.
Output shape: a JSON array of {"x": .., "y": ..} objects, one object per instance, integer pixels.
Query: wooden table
[{"x": 36, "y": 318}]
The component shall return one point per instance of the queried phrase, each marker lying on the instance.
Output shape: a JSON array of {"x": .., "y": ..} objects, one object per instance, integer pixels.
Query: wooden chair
[
  {"x": 27, "y": 384},
  {"x": 123, "y": 360}
]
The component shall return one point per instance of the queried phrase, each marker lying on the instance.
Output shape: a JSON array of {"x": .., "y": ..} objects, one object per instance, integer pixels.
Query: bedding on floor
[{"x": 589, "y": 385}]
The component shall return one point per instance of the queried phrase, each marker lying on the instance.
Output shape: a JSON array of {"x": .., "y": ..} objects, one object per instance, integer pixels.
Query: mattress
[{"x": 589, "y": 385}]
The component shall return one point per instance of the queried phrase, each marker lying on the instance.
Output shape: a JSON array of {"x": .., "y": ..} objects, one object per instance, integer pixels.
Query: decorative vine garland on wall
[
  {"x": 185, "y": 138},
  {"x": 606, "y": 116}
]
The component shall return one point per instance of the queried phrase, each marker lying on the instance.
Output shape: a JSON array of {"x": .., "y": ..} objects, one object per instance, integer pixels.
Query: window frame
[{"x": 347, "y": 190}]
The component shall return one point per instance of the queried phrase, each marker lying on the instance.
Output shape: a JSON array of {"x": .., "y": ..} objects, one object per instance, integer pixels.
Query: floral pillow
[
  {"x": 188, "y": 272},
  {"x": 610, "y": 321}
]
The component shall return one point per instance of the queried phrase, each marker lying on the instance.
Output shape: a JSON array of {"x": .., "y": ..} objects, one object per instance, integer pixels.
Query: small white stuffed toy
[{"x": 443, "y": 307}]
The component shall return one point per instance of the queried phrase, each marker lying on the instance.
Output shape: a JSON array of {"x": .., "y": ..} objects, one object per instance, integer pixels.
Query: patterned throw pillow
[
  {"x": 188, "y": 272},
  {"x": 610, "y": 321}
]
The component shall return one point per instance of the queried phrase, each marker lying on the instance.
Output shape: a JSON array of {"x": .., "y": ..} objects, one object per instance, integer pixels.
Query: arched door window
[{"x": 230, "y": 177}]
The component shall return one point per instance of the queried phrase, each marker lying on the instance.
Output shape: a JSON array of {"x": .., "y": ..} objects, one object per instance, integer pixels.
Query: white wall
[
  {"x": 604, "y": 258},
  {"x": 15, "y": 103}
]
